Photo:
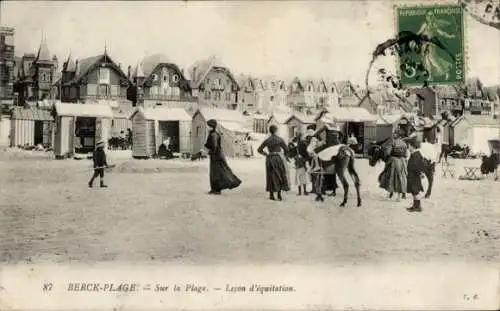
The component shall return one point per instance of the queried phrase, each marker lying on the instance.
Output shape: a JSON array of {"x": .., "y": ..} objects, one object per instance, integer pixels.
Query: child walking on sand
[
  {"x": 301, "y": 174},
  {"x": 99, "y": 158}
]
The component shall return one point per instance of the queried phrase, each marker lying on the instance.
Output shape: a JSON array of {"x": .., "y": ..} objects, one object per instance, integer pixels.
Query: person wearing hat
[
  {"x": 99, "y": 159},
  {"x": 416, "y": 166},
  {"x": 221, "y": 175}
]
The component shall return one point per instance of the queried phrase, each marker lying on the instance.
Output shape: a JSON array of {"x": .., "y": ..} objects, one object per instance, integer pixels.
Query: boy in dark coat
[
  {"x": 99, "y": 158},
  {"x": 415, "y": 170}
]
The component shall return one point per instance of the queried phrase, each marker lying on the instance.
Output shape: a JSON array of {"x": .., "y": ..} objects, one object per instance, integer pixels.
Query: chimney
[{"x": 129, "y": 71}]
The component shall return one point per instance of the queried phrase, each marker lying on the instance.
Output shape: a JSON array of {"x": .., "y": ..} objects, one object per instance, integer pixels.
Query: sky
[{"x": 325, "y": 39}]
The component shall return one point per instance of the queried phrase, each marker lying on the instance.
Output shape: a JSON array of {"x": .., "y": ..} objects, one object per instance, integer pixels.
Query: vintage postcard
[{"x": 263, "y": 155}]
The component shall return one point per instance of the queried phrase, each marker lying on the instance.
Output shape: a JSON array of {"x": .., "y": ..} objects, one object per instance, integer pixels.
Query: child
[
  {"x": 415, "y": 170},
  {"x": 301, "y": 173},
  {"x": 99, "y": 158}
]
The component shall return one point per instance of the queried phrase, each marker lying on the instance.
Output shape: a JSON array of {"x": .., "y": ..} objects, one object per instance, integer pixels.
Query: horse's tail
[{"x": 352, "y": 171}]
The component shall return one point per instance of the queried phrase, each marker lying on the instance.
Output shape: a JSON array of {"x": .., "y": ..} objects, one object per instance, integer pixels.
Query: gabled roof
[
  {"x": 346, "y": 114},
  {"x": 200, "y": 69},
  {"x": 164, "y": 114},
  {"x": 221, "y": 114},
  {"x": 87, "y": 64},
  {"x": 281, "y": 117},
  {"x": 43, "y": 52},
  {"x": 149, "y": 63}
]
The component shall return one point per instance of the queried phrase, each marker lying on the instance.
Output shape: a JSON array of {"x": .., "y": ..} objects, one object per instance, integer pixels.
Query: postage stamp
[{"x": 439, "y": 59}]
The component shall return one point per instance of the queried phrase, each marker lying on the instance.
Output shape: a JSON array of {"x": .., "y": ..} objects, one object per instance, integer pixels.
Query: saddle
[{"x": 328, "y": 153}]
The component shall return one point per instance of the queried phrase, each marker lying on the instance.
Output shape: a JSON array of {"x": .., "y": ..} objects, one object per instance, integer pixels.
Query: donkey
[{"x": 342, "y": 158}]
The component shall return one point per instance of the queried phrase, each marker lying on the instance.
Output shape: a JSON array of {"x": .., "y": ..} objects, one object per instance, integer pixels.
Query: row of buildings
[
  {"x": 156, "y": 80},
  {"x": 95, "y": 98}
]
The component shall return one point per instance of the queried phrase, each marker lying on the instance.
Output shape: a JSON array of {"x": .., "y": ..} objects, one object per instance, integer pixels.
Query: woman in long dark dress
[
  {"x": 394, "y": 176},
  {"x": 276, "y": 175},
  {"x": 221, "y": 175}
]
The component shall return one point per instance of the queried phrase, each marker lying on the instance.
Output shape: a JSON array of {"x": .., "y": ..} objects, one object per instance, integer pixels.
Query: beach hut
[
  {"x": 121, "y": 120},
  {"x": 280, "y": 120},
  {"x": 31, "y": 126},
  {"x": 260, "y": 123},
  {"x": 231, "y": 125},
  {"x": 356, "y": 120},
  {"x": 298, "y": 123},
  {"x": 5, "y": 128},
  {"x": 79, "y": 127},
  {"x": 383, "y": 128},
  {"x": 152, "y": 126},
  {"x": 474, "y": 131}
]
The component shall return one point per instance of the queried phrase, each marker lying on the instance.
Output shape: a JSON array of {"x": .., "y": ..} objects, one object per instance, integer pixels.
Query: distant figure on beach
[
  {"x": 99, "y": 158},
  {"x": 276, "y": 171},
  {"x": 221, "y": 175}
]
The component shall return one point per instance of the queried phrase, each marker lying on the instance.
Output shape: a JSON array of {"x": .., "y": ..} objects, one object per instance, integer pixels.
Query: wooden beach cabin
[
  {"x": 122, "y": 120},
  {"x": 385, "y": 126},
  {"x": 475, "y": 131},
  {"x": 231, "y": 125},
  {"x": 260, "y": 123},
  {"x": 79, "y": 127},
  {"x": 356, "y": 120},
  {"x": 31, "y": 126},
  {"x": 280, "y": 120},
  {"x": 151, "y": 126}
]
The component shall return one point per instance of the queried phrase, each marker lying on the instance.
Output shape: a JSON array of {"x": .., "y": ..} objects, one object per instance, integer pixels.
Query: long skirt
[
  {"x": 221, "y": 175},
  {"x": 276, "y": 174},
  {"x": 394, "y": 176}
]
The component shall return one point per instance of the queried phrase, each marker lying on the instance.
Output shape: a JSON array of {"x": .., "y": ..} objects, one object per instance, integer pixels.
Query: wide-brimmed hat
[
  {"x": 212, "y": 123},
  {"x": 100, "y": 143}
]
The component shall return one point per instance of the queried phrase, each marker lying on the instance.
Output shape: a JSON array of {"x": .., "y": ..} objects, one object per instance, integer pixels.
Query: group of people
[
  {"x": 399, "y": 175},
  {"x": 403, "y": 174}
]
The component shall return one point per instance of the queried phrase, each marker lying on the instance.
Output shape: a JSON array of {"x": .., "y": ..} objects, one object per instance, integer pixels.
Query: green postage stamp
[{"x": 437, "y": 54}]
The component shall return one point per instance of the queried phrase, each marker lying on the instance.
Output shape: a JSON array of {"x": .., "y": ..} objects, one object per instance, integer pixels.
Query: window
[
  {"x": 165, "y": 78},
  {"x": 103, "y": 75},
  {"x": 281, "y": 86},
  {"x": 309, "y": 88},
  {"x": 198, "y": 131},
  {"x": 155, "y": 77},
  {"x": 271, "y": 98},
  {"x": 115, "y": 90},
  {"x": 91, "y": 89},
  {"x": 175, "y": 78},
  {"x": 103, "y": 89},
  {"x": 220, "y": 81},
  {"x": 228, "y": 96}
]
